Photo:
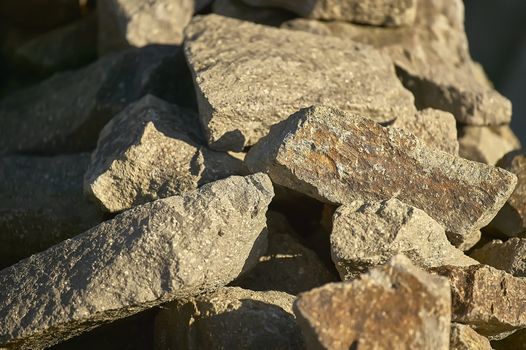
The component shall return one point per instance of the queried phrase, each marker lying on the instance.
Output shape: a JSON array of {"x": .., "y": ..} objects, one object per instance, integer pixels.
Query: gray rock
[
  {"x": 396, "y": 306},
  {"x": 288, "y": 266},
  {"x": 230, "y": 318},
  {"x": 152, "y": 150},
  {"x": 489, "y": 300},
  {"x": 65, "y": 113},
  {"x": 375, "y": 12},
  {"x": 170, "y": 249},
  {"x": 432, "y": 58},
  {"x": 279, "y": 71},
  {"x": 509, "y": 256},
  {"x": 465, "y": 338},
  {"x": 136, "y": 23},
  {"x": 487, "y": 144},
  {"x": 270, "y": 16},
  {"x": 41, "y": 204},
  {"x": 338, "y": 157},
  {"x": 365, "y": 235}
]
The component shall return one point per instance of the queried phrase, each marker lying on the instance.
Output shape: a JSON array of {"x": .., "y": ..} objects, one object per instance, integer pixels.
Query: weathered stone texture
[
  {"x": 465, "y": 338},
  {"x": 172, "y": 248},
  {"x": 278, "y": 72},
  {"x": 509, "y": 256},
  {"x": 487, "y": 144},
  {"x": 338, "y": 157},
  {"x": 396, "y": 306},
  {"x": 230, "y": 318}
]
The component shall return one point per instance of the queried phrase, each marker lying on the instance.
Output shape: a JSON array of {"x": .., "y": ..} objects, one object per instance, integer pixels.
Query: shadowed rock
[
  {"x": 509, "y": 256},
  {"x": 465, "y": 338},
  {"x": 487, "y": 144}
]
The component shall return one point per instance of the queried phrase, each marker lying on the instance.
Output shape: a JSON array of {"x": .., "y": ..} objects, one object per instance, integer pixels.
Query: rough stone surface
[
  {"x": 278, "y": 72},
  {"x": 66, "y": 112},
  {"x": 432, "y": 58},
  {"x": 468, "y": 241},
  {"x": 365, "y": 235},
  {"x": 396, "y": 306},
  {"x": 509, "y": 256},
  {"x": 137, "y": 23},
  {"x": 375, "y": 12},
  {"x": 489, "y": 300},
  {"x": 339, "y": 157},
  {"x": 511, "y": 219},
  {"x": 487, "y": 144},
  {"x": 152, "y": 150},
  {"x": 288, "y": 266},
  {"x": 465, "y": 338},
  {"x": 172, "y": 248},
  {"x": 230, "y": 318},
  {"x": 41, "y": 203}
]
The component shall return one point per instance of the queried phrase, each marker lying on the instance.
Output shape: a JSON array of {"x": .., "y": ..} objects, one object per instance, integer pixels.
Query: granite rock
[
  {"x": 465, "y": 338},
  {"x": 509, "y": 256},
  {"x": 169, "y": 249},
  {"x": 487, "y": 144}
]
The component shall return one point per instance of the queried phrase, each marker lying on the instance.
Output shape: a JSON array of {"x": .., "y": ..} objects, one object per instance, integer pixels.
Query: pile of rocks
[{"x": 255, "y": 174}]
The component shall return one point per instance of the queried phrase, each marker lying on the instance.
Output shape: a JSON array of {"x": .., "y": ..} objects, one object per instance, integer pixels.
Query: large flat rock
[
  {"x": 338, "y": 157},
  {"x": 259, "y": 75},
  {"x": 172, "y": 248}
]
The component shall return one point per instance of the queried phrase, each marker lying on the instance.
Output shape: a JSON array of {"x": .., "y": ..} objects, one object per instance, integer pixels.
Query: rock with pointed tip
[{"x": 465, "y": 338}]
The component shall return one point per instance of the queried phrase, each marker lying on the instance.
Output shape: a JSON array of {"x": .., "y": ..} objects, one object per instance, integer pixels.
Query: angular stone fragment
[
  {"x": 365, "y": 235},
  {"x": 127, "y": 23},
  {"x": 465, "y": 338},
  {"x": 288, "y": 266},
  {"x": 152, "y": 150},
  {"x": 487, "y": 144},
  {"x": 432, "y": 58},
  {"x": 172, "y": 248},
  {"x": 489, "y": 300},
  {"x": 509, "y": 256},
  {"x": 65, "y": 113},
  {"x": 41, "y": 203},
  {"x": 469, "y": 240},
  {"x": 279, "y": 71},
  {"x": 396, "y": 306},
  {"x": 375, "y": 12},
  {"x": 338, "y": 157},
  {"x": 230, "y": 318},
  {"x": 269, "y": 16}
]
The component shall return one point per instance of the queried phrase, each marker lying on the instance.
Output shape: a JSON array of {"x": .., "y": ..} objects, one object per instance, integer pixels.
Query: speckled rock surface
[
  {"x": 230, "y": 318},
  {"x": 465, "y": 338},
  {"x": 487, "y": 144},
  {"x": 137, "y": 23},
  {"x": 172, "y": 248},
  {"x": 365, "y": 235},
  {"x": 41, "y": 203},
  {"x": 278, "y": 72},
  {"x": 433, "y": 60},
  {"x": 391, "y": 307},
  {"x": 375, "y": 12},
  {"x": 469, "y": 240},
  {"x": 489, "y": 300},
  {"x": 152, "y": 150},
  {"x": 339, "y": 157},
  {"x": 509, "y": 256}
]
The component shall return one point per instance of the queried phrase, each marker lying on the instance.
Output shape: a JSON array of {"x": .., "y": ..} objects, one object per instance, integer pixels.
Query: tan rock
[
  {"x": 468, "y": 241},
  {"x": 487, "y": 144},
  {"x": 396, "y": 306},
  {"x": 368, "y": 234},
  {"x": 465, "y": 338},
  {"x": 278, "y": 72},
  {"x": 509, "y": 256},
  {"x": 338, "y": 157}
]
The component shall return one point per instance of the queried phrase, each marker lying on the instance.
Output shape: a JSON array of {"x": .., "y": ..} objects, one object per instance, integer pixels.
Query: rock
[
  {"x": 170, "y": 249},
  {"x": 40, "y": 15},
  {"x": 135, "y": 23},
  {"x": 288, "y": 266},
  {"x": 230, "y": 318},
  {"x": 284, "y": 71},
  {"x": 435, "y": 128},
  {"x": 465, "y": 338},
  {"x": 152, "y": 150},
  {"x": 516, "y": 341},
  {"x": 395, "y": 306},
  {"x": 511, "y": 219},
  {"x": 263, "y": 15},
  {"x": 338, "y": 157},
  {"x": 509, "y": 256},
  {"x": 365, "y": 235},
  {"x": 380, "y": 13},
  {"x": 41, "y": 204},
  {"x": 65, "y": 113},
  {"x": 487, "y": 144},
  {"x": 468, "y": 241},
  {"x": 432, "y": 59},
  {"x": 489, "y": 300},
  {"x": 68, "y": 47}
]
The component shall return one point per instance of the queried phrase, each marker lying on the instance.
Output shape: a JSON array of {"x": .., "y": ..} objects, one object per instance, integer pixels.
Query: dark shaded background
[{"x": 497, "y": 38}]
